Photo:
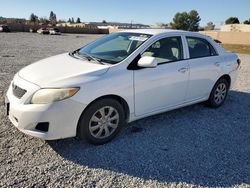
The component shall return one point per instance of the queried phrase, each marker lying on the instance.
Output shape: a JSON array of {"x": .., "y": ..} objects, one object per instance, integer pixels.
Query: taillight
[{"x": 238, "y": 62}]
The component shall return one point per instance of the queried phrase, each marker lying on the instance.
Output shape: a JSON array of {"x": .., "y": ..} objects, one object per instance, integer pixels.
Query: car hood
[{"x": 61, "y": 70}]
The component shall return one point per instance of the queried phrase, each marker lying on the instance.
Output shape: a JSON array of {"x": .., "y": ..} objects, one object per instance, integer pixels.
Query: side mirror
[{"x": 147, "y": 62}]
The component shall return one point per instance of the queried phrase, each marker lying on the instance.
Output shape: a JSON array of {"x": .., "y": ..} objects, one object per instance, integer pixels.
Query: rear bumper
[{"x": 62, "y": 116}]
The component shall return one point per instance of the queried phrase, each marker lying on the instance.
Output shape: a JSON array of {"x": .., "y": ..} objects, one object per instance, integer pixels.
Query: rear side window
[{"x": 200, "y": 48}]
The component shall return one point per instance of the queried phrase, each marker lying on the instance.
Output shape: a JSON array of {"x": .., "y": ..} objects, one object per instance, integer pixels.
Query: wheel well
[
  {"x": 227, "y": 77},
  {"x": 117, "y": 98}
]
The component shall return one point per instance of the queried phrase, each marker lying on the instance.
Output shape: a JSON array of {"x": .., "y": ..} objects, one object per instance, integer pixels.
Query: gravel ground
[{"x": 192, "y": 146}]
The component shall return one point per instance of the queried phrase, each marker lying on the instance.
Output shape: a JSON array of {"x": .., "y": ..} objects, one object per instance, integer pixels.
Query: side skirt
[{"x": 134, "y": 118}]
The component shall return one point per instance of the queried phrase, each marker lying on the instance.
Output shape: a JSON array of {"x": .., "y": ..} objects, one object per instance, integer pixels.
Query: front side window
[
  {"x": 166, "y": 50},
  {"x": 200, "y": 48},
  {"x": 115, "y": 47}
]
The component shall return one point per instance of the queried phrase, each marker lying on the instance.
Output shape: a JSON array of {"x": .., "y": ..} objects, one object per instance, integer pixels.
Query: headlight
[{"x": 45, "y": 96}]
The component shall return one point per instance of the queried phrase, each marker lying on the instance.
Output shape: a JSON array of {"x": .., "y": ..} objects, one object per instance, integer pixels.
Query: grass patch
[{"x": 237, "y": 48}]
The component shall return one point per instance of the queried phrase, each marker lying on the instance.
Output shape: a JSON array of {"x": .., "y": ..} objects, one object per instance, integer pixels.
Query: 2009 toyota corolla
[{"x": 92, "y": 92}]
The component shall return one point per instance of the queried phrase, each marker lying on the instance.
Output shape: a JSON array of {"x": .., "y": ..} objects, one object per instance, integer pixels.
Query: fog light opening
[{"x": 43, "y": 126}]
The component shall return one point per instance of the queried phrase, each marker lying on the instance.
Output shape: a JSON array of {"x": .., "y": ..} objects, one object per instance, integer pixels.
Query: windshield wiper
[
  {"x": 77, "y": 55},
  {"x": 88, "y": 57}
]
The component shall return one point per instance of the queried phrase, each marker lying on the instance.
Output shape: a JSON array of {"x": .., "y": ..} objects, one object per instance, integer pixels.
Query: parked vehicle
[
  {"x": 43, "y": 31},
  {"x": 4, "y": 28},
  {"x": 93, "y": 91},
  {"x": 54, "y": 31},
  {"x": 32, "y": 30}
]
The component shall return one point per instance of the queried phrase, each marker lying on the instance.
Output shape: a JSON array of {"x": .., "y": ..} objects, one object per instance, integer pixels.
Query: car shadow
[{"x": 195, "y": 145}]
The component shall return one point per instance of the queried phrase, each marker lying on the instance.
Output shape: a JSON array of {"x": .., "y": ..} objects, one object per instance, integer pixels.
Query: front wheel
[
  {"x": 219, "y": 93},
  {"x": 101, "y": 121}
]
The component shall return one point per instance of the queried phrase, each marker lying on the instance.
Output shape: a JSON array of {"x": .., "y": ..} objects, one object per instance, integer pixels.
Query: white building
[{"x": 235, "y": 28}]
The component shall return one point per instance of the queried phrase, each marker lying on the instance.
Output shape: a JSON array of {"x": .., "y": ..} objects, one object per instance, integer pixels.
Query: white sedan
[{"x": 93, "y": 91}]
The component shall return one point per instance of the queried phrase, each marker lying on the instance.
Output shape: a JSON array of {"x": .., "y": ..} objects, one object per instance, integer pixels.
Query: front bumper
[{"x": 62, "y": 116}]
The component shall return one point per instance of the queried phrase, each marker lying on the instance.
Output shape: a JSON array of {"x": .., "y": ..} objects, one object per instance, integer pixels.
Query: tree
[
  {"x": 210, "y": 26},
  {"x": 180, "y": 21},
  {"x": 52, "y": 17},
  {"x": 232, "y": 20},
  {"x": 69, "y": 20},
  {"x": 78, "y": 20},
  {"x": 3, "y": 20},
  {"x": 44, "y": 20},
  {"x": 72, "y": 20},
  {"x": 186, "y": 21},
  {"x": 194, "y": 20},
  {"x": 247, "y": 22},
  {"x": 33, "y": 17},
  {"x": 61, "y": 21},
  {"x": 104, "y": 21}
]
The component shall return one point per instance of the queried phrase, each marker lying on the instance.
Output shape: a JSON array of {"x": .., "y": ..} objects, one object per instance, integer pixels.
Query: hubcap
[
  {"x": 104, "y": 122},
  {"x": 220, "y": 93}
]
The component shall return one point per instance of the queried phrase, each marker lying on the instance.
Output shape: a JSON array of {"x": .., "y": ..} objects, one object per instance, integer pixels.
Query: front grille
[{"x": 17, "y": 91}]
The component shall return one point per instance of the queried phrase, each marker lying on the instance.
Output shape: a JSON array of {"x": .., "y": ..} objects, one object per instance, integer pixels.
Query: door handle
[
  {"x": 217, "y": 64},
  {"x": 183, "y": 70}
]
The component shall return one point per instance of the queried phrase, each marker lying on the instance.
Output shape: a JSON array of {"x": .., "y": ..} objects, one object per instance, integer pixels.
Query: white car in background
[
  {"x": 93, "y": 91},
  {"x": 54, "y": 31},
  {"x": 43, "y": 31}
]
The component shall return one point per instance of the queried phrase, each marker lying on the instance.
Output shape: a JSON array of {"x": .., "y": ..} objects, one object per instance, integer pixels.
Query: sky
[{"x": 137, "y": 11}]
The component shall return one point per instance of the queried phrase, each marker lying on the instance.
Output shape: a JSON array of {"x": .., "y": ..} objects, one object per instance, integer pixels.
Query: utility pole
[{"x": 131, "y": 24}]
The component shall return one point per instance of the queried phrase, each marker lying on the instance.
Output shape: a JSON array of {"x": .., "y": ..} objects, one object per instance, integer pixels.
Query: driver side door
[{"x": 165, "y": 85}]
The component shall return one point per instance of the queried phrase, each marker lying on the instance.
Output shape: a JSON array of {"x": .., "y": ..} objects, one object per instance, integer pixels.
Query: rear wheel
[
  {"x": 101, "y": 121},
  {"x": 219, "y": 93}
]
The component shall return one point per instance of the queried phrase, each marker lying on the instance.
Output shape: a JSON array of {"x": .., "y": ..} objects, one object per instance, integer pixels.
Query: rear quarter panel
[
  {"x": 230, "y": 66},
  {"x": 228, "y": 62}
]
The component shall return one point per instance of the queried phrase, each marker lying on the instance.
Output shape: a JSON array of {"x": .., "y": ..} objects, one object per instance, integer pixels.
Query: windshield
[{"x": 115, "y": 47}]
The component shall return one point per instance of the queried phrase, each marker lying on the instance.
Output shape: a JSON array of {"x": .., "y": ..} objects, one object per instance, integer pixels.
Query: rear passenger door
[{"x": 204, "y": 64}]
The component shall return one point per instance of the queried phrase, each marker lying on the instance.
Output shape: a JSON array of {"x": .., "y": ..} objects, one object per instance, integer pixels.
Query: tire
[
  {"x": 101, "y": 121},
  {"x": 218, "y": 94}
]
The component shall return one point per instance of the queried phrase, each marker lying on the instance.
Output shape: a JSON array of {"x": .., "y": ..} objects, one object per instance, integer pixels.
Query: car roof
[{"x": 154, "y": 31}]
